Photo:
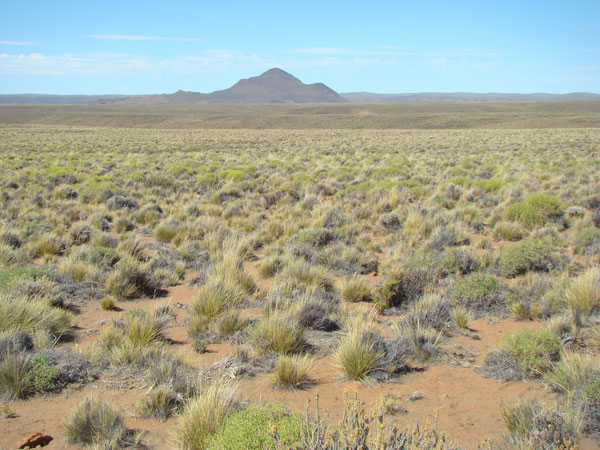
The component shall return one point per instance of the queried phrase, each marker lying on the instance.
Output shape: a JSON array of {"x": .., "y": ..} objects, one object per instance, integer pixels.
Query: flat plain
[{"x": 202, "y": 276}]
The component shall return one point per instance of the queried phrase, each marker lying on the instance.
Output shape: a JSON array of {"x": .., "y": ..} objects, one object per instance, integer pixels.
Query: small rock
[
  {"x": 415, "y": 396},
  {"x": 35, "y": 440}
]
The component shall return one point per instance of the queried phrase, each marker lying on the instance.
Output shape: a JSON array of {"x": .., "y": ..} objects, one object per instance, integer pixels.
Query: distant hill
[
  {"x": 57, "y": 99},
  {"x": 443, "y": 97},
  {"x": 273, "y": 86},
  {"x": 278, "y": 86}
]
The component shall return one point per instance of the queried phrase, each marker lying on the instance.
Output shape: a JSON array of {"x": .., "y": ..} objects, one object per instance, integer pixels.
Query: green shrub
[
  {"x": 42, "y": 374},
  {"x": 474, "y": 287},
  {"x": 491, "y": 185},
  {"x": 534, "y": 350},
  {"x": 524, "y": 213},
  {"x": 254, "y": 427},
  {"x": 548, "y": 205},
  {"x": 527, "y": 256}
]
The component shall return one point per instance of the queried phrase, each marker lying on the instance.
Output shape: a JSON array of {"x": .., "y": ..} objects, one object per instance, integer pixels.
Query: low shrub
[
  {"x": 502, "y": 365},
  {"x": 527, "y": 256},
  {"x": 526, "y": 214},
  {"x": 531, "y": 425},
  {"x": 268, "y": 427},
  {"x": 534, "y": 350},
  {"x": 587, "y": 242}
]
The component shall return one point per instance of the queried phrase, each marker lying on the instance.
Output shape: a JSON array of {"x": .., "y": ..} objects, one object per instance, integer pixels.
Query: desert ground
[{"x": 204, "y": 277}]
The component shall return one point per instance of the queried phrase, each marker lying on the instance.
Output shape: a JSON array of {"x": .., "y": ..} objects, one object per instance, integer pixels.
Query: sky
[{"x": 135, "y": 47}]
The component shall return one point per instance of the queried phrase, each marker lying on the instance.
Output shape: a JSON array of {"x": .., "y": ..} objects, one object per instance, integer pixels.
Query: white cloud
[
  {"x": 220, "y": 60},
  {"x": 128, "y": 37},
  {"x": 18, "y": 43}
]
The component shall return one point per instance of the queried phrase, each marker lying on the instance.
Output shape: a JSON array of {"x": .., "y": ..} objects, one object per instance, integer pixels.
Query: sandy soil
[{"x": 451, "y": 393}]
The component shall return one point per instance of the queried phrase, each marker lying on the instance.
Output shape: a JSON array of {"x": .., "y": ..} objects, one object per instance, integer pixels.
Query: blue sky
[{"x": 133, "y": 47}]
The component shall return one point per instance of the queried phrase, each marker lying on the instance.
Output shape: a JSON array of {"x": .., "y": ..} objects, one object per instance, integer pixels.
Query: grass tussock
[{"x": 204, "y": 414}]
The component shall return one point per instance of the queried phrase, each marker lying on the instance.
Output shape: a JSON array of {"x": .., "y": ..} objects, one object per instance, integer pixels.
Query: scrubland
[{"x": 314, "y": 289}]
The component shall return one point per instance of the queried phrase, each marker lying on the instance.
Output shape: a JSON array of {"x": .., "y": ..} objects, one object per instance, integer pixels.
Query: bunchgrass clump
[
  {"x": 94, "y": 423},
  {"x": 572, "y": 372},
  {"x": 15, "y": 380},
  {"x": 357, "y": 355},
  {"x": 32, "y": 315},
  {"x": 356, "y": 289},
  {"x": 291, "y": 372},
  {"x": 583, "y": 293},
  {"x": 204, "y": 414},
  {"x": 161, "y": 403},
  {"x": 214, "y": 298},
  {"x": 278, "y": 332}
]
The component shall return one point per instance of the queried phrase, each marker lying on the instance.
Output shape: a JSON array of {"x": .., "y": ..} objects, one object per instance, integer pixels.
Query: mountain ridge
[{"x": 278, "y": 86}]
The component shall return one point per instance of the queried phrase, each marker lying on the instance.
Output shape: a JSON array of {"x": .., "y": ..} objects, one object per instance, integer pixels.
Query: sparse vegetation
[{"x": 274, "y": 256}]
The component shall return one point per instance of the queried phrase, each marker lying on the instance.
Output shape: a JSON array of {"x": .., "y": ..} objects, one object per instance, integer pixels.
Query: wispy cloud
[
  {"x": 18, "y": 43},
  {"x": 393, "y": 51},
  {"x": 131, "y": 37},
  {"x": 215, "y": 60}
]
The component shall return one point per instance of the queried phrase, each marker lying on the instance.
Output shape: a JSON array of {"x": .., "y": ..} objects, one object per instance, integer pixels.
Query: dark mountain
[
  {"x": 444, "y": 97},
  {"x": 273, "y": 86}
]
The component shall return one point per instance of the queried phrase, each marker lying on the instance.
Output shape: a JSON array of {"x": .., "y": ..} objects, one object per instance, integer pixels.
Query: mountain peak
[{"x": 273, "y": 86}]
